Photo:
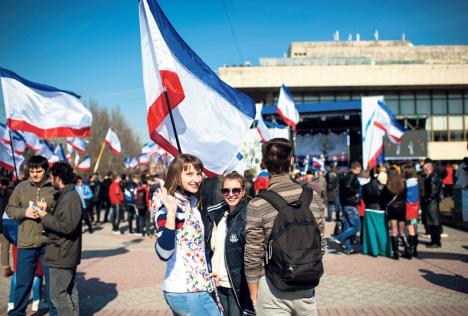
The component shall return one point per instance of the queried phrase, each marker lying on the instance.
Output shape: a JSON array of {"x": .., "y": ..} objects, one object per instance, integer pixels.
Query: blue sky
[{"x": 92, "y": 47}]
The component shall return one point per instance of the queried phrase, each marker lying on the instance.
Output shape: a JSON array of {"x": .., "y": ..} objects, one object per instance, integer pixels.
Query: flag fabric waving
[
  {"x": 60, "y": 153},
  {"x": 43, "y": 110},
  {"x": 209, "y": 115},
  {"x": 79, "y": 144},
  {"x": 6, "y": 158},
  {"x": 143, "y": 159},
  {"x": 85, "y": 165},
  {"x": 113, "y": 141},
  {"x": 287, "y": 108},
  {"x": 31, "y": 140},
  {"x": 261, "y": 127},
  {"x": 377, "y": 121}
]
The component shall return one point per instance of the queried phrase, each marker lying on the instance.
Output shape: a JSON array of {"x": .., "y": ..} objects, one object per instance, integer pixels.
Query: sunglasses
[{"x": 235, "y": 191}]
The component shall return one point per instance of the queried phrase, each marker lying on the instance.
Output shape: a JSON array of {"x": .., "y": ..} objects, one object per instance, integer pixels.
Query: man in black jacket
[
  {"x": 63, "y": 227},
  {"x": 349, "y": 196},
  {"x": 432, "y": 187}
]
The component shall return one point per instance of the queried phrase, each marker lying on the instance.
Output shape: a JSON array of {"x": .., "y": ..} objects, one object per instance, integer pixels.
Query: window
[
  {"x": 343, "y": 96},
  {"x": 439, "y": 103},
  {"x": 455, "y": 123},
  {"x": 311, "y": 98},
  {"x": 297, "y": 98},
  {"x": 439, "y": 123},
  {"x": 455, "y": 103},
  {"x": 441, "y": 136},
  {"x": 456, "y": 136},
  {"x": 327, "y": 98},
  {"x": 391, "y": 100},
  {"x": 407, "y": 104},
  {"x": 423, "y": 103}
]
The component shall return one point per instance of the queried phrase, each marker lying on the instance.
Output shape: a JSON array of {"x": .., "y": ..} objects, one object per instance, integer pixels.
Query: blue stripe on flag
[
  {"x": 34, "y": 85},
  {"x": 196, "y": 66},
  {"x": 391, "y": 116},
  {"x": 287, "y": 92}
]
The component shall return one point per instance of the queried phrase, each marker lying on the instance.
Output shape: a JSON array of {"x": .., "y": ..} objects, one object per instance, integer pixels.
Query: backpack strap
[
  {"x": 306, "y": 196},
  {"x": 276, "y": 200}
]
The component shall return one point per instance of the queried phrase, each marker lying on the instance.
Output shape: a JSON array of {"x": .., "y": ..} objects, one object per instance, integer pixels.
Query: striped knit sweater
[{"x": 260, "y": 218}]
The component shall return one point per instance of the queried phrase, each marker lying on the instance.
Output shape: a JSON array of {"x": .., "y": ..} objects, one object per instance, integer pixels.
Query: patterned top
[
  {"x": 260, "y": 218},
  {"x": 183, "y": 248}
]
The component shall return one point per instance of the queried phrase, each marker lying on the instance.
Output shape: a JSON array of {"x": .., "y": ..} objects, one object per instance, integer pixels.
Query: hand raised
[{"x": 168, "y": 200}]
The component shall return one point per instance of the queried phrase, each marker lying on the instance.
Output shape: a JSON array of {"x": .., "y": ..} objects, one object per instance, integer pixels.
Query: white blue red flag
[
  {"x": 85, "y": 165},
  {"x": 4, "y": 135},
  {"x": 31, "y": 141},
  {"x": 43, "y": 110},
  {"x": 412, "y": 198},
  {"x": 60, "y": 153},
  {"x": 287, "y": 108},
  {"x": 6, "y": 158},
  {"x": 150, "y": 149},
  {"x": 377, "y": 121},
  {"x": 79, "y": 144},
  {"x": 143, "y": 159},
  {"x": 47, "y": 151},
  {"x": 261, "y": 126},
  {"x": 210, "y": 116},
  {"x": 19, "y": 143},
  {"x": 113, "y": 141}
]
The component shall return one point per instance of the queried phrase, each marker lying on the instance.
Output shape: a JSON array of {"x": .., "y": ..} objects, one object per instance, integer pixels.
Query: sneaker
[
  {"x": 348, "y": 252},
  {"x": 333, "y": 238},
  {"x": 116, "y": 232},
  {"x": 433, "y": 245},
  {"x": 138, "y": 234},
  {"x": 10, "y": 306},
  {"x": 444, "y": 235},
  {"x": 35, "y": 306}
]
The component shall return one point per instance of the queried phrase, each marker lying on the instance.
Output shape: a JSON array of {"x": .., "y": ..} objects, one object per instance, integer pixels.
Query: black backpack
[
  {"x": 140, "y": 200},
  {"x": 293, "y": 260}
]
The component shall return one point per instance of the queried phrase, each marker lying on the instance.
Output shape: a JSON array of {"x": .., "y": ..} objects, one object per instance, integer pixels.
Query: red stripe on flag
[
  {"x": 78, "y": 149},
  {"x": 286, "y": 120},
  {"x": 6, "y": 166},
  {"x": 158, "y": 111},
  {"x": 48, "y": 132},
  {"x": 112, "y": 148},
  {"x": 373, "y": 161}
]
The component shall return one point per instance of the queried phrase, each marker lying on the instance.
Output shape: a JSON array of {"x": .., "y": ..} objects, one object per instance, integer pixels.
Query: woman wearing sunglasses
[{"x": 226, "y": 241}]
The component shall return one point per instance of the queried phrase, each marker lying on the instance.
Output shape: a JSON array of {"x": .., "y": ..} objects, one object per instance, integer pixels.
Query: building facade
[{"x": 425, "y": 86}]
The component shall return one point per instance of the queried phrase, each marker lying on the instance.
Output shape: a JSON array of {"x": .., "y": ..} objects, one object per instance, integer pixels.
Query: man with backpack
[{"x": 283, "y": 261}]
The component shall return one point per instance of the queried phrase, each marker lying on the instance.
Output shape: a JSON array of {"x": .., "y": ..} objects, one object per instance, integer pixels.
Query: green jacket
[
  {"x": 63, "y": 226},
  {"x": 30, "y": 231}
]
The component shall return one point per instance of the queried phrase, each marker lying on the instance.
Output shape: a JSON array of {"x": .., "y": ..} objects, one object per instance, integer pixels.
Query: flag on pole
[
  {"x": 261, "y": 127},
  {"x": 113, "y": 141},
  {"x": 85, "y": 165},
  {"x": 31, "y": 141},
  {"x": 4, "y": 136},
  {"x": 47, "y": 151},
  {"x": 209, "y": 115},
  {"x": 43, "y": 110},
  {"x": 377, "y": 121},
  {"x": 287, "y": 108},
  {"x": 19, "y": 144},
  {"x": 79, "y": 144},
  {"x": 6, "y": 158}
]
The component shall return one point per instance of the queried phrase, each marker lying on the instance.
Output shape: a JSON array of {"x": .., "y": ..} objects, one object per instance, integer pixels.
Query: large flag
[
  {"x": 43, "y": 110},
  {"x": 85, "y": 165},
  {"x": 209, "y": 115},
  {"x": 261, "y": 127},
  {"x": 377, "y": 121},
  {"x": 287, "y": 108},
  {"x": 19, "y": 143},
  {"x": 47, "y": 150},
  {"x": 60, "y": 153},
  {"x": 6, "y": 158},
  {"x": 31, "y": 141},
  {"x": 113, "y": 141},
  {"x": 79, "y": 144}
]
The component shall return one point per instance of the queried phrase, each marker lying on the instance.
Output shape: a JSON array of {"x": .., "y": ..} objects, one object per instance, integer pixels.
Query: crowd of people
[{"x": 234, "y": 245}]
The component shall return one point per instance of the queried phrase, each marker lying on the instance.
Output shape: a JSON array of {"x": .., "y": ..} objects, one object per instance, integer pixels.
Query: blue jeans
[
  {"x": 25, "y": 272},
  {"x": 36, "y": 288},
  {"x": 192, "y": 304},
  {"x": 351, "y": 225}
]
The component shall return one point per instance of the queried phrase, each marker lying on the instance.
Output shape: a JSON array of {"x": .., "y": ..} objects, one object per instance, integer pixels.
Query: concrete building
[{"x": 425, "y": 86}]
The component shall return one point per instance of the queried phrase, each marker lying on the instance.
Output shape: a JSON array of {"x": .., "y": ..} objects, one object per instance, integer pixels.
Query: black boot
[
  {"x": 396, "y": 255},
  {"x": 435, "y": 237},
  {"x": 413, "y": 240},
  {"x": 407, "y": 253}
]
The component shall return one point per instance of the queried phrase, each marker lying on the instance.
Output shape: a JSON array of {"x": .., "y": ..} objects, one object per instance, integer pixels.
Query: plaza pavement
[{"x": 121, "y": 275}]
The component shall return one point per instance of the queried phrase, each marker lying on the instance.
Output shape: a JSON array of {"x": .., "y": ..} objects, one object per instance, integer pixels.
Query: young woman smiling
[
  {"x": 225, "y": 235},
  {"x": 187, "y": 284}
]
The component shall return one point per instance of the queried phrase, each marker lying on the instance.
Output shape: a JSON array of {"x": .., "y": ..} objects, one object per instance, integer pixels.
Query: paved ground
[{"x": 121, "y": 275}]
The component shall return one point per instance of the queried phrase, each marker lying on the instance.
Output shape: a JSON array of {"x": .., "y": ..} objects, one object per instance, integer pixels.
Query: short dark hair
[
  {"x": 277, "y": 154},
  {"x": 355, "y": 164},
  {"x": 64, "y": 171},
  {"x": 36, "y": 162},
  {"x": 5, "y": 182}
]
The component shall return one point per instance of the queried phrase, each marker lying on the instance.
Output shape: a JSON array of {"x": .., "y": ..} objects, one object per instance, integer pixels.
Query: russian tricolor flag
[
  {"x": 210, "y": 116},
  {"x": 43, "y": 110},
  {"x": 412, "y": 198}
]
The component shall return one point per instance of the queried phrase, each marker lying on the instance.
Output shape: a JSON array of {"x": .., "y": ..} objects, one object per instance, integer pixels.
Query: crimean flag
[
  {"x": 85, "y": 164},
  {"x": 287, "y": 108},
  {"x": 209, "y": 115},
  {"x": 43, "y": 110},
  {"x": 261, "y": 126},
  {"x": 6, "y": 158},
  {"x": 113, "y": 141},
  {"x": 79, "y": 144}
]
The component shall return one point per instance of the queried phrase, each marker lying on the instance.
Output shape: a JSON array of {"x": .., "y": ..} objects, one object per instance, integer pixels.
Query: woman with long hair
[
  {"x": 226, "y": 237},
  {"x": 188, "y": 283},
  {"x": 393, "y": 200}
]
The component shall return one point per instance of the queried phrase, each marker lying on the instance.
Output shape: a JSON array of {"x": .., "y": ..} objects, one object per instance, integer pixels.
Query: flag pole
[
  {"x": 13, "y": 154},
  {"x": 172, "y": 121},
  {"x": 99, "y": 157}
]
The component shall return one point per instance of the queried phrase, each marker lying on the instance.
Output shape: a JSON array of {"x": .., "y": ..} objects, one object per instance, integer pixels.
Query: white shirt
[{"x": 218, "y": 241}]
